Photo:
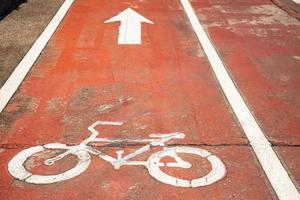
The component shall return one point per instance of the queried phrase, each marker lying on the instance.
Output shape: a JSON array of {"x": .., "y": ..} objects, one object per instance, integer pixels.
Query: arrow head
[{"x": 129, "y": 14}]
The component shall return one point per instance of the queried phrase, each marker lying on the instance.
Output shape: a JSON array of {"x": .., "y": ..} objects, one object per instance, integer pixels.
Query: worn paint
[
  {"x": 280, "y": 181},
  {"x": 16, "y": 165},
  {"x": 130, "y": 28},
  {"x": 173, "y": 88}
]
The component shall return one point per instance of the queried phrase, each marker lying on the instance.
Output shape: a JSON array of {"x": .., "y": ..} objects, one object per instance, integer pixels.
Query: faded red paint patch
[{"x": 259, "y": 44}]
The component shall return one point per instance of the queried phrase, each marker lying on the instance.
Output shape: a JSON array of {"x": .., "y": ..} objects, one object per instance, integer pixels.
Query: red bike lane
[
  {"x": 259, "y": 44},
  {"x": 163, "y": 85}
]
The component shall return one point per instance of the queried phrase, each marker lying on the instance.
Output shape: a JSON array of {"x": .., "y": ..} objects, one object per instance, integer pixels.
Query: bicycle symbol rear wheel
[
  {"x": 16, "y": 166},
  {"x": 218, "y": 170}
]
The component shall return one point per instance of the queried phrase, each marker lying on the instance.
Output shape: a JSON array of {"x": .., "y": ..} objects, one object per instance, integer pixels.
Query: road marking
[
  {"x": 218, "y": 170},
  {"x": 277, "y": 175},
  {"x": 130, "y": 28},
  {"x": 20, "y": 72},
  {"x": 296, "y": 1}
]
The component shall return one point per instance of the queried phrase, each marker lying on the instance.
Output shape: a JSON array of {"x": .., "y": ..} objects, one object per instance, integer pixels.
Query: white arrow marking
[{"x": 130, "y": 28}]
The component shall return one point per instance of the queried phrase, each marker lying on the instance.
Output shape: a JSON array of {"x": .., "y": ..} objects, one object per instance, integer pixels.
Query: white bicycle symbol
[{"x": 83, "y": 150}]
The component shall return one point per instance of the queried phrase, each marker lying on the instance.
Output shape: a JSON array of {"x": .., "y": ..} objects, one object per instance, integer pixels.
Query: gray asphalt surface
[{"x": 20, "y": 29}]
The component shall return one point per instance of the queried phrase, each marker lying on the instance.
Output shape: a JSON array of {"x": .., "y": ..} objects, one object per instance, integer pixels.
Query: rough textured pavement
[
  {"x": 164, "y": 85},
  {"x": 260, "y": 45}
]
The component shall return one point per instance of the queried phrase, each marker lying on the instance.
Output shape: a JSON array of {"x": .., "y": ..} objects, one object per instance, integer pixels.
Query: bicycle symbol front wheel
[
  {"x": 218, "y": 170},
  {"x": 17, "y": 169}
]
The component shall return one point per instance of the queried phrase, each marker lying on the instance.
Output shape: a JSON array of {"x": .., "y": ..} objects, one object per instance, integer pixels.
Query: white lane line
[
  {"x": 277, "y": 175},
  {"x": 16, "y": 78}
]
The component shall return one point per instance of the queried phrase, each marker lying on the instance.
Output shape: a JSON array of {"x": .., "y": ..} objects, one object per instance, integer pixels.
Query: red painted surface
[
  {"x": 290, "y": 156},
  {"x": 164, "y": 85},
  {"x": 167, "y": 80},
  {"x": 259, "y": 44}
]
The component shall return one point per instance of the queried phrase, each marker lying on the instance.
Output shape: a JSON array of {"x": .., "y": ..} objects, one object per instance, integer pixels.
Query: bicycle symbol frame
[{"x": 84, "y": 150}]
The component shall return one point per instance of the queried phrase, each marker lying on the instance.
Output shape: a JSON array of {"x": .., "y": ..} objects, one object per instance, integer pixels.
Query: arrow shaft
[{"x": 130, "y": 32}]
